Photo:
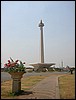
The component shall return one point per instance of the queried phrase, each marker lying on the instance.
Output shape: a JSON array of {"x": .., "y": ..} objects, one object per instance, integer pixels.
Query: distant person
[
  {"x": 71, "y": 70},
  {"x": 33, "y": 69}
]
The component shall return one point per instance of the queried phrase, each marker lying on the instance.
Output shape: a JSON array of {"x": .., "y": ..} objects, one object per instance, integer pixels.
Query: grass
[
  {"x": 30, "y": 81},
  {"x": 6, "y": 88},
  {"x": 67, "y": 86},
  {"x": 26, "y": 84}
]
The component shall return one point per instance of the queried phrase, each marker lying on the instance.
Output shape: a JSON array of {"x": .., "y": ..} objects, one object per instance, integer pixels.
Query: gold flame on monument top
[{"x": 41, "y": 24}]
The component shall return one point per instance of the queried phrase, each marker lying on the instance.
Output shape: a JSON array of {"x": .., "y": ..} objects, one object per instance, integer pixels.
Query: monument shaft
[{"x": 42, "y": 45}]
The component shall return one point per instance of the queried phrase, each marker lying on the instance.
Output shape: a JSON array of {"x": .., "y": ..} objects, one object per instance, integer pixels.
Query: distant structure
[
  {"x": 41, "y": 65},
  {"x": 62, "y": 64}
]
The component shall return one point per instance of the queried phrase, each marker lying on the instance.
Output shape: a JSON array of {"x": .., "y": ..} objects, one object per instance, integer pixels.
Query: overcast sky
[{"x": 20, "y": 34}]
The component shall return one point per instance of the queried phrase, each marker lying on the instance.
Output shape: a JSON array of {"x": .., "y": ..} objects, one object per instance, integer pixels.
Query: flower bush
[{"x": 14, "y": 66}]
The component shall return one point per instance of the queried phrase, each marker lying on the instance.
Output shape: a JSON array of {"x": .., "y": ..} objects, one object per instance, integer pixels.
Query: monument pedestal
[
  {"x": 16, "y": 84},
  {"x": 40, "y": 66}
]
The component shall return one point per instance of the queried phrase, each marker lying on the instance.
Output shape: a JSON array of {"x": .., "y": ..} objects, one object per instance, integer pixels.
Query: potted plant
[{"x": 16, "y": 69}]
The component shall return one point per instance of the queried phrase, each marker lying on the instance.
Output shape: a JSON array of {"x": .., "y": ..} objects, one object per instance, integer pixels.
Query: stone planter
[{"x": 16, "y": 84}]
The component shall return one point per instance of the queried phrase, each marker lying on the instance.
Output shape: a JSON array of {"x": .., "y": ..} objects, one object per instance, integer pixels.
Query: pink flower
[
  {"x": 8, "y": 65},
  {"x": 5, "y": 65},
  {"x": 13, "y": 64},
  {"x": 9, "y": 61},
  {"x": 16, "y": 61}
]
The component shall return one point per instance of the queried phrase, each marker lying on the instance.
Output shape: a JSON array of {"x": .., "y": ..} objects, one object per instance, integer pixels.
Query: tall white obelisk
[
  {"x": 41, "y": 65},
  {"x": 42, "y": 45}
]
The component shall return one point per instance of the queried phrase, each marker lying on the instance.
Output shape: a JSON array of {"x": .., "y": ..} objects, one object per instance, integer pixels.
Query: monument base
[{"x": 41, "y": 66}]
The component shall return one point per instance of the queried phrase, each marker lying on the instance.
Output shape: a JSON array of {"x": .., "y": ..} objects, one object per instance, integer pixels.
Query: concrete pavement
[{"x": 46, "y": 89}]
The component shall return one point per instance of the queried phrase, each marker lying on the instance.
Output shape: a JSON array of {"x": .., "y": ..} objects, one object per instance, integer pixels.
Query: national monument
[{"x": 42, "y": 64}]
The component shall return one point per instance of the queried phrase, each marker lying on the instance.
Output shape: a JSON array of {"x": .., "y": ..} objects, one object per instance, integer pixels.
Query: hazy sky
[{"x": 20, "y": 34}]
